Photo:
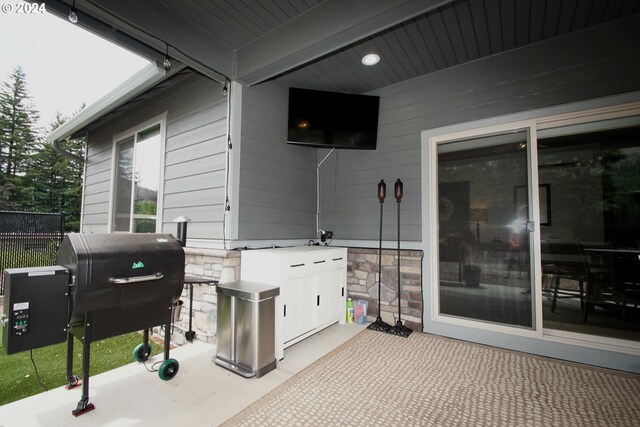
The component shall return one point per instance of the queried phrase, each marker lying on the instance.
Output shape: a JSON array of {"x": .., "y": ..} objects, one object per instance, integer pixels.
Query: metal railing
[{"x": 29, "y": 239}]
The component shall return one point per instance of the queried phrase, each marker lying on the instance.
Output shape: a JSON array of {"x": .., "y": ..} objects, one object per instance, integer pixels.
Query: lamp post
[
  {"x": 379, "y": 324},
  {"x": 181, "y": 231},
  {"x": 477, "y": 215},
  {"x": 399, "y": 329}
]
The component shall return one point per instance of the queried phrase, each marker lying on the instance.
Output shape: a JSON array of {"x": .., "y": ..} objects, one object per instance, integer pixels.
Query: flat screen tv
[{"x": 331, "y": 119}]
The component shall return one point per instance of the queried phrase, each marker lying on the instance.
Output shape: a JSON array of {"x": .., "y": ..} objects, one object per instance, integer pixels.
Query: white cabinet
[
  {"x": 312, "y": 281},
  {"x": 297, "y": 302},
  {"x": 330, "y": 288}
]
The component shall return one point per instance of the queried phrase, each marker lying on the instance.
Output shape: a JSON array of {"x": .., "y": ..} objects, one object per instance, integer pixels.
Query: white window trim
[
  {"x": 157, "y": 120},
  {"x": 429, "y": 164}
]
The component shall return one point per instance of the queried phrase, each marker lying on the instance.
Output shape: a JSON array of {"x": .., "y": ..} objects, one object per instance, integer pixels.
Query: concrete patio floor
[{"x": 202, "y": 393}]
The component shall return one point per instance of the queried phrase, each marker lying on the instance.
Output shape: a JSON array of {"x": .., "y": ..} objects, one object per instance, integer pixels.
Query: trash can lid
[{"x": 252, "y": 291}]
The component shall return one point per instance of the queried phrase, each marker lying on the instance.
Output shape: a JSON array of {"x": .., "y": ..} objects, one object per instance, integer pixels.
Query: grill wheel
[
  {"x": 168, "y": 369},
  {"x": 142, "y": 353}
]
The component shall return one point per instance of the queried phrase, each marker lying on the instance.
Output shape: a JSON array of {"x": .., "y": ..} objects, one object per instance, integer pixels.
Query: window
[{"x": 137, "y": 181}]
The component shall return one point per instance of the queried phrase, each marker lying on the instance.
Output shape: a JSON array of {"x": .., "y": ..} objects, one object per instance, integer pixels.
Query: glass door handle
[{"x": 531, "y": 226}]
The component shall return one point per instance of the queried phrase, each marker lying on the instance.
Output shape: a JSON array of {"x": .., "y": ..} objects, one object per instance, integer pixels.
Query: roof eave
[{"x": 140, "y": 82}]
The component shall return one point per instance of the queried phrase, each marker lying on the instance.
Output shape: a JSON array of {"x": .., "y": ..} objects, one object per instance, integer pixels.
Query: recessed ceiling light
[{"x": 370, "y": 59}]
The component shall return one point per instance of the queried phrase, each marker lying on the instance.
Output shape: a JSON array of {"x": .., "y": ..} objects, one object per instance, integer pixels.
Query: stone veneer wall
[
  {"x": 362, "y": 284},
  {"x": 221, "y": 265}
]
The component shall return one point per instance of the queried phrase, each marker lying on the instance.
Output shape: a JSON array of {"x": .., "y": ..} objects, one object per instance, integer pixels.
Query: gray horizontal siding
[
  {"x": 195, "y": 167},
  {"x": 96, "y": 221},
  {"x": 277, "y": 180},
  {"x": 194, "y": 158},
  {"x": 592, "y": 63},
  {"x": 98, "y": 177},
  {"x": 263, "y": 198},
  {"x": 197, "y": 214},
  {"x": 94, "y": 151},
  {"x": 99, "y": 160},
  {"x": 90, "y": 228},
  {"x": 195, "y": 163},
  {"x": 192, "y": 199},
  {"x": 202, "y": 133},
  {"x": 193, "y": 182},
  {"x": 100, "y": 187},
  {"x": 201, "y": 150},
  {"x": 96, "y": 208},
  {"x": 94, "y": 197}
]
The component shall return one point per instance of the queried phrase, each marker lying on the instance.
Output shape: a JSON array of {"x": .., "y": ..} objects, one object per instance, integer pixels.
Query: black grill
[
  {"x": 105, "y": 285},
  {"x": 126, "y": 281}
]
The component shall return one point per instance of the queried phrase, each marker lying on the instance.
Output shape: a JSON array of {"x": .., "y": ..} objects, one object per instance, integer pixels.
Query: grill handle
[{"x": 136, "y": 279}]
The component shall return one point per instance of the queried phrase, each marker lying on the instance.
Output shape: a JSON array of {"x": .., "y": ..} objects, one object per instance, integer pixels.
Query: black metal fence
[{"x": 29, "y": 239}]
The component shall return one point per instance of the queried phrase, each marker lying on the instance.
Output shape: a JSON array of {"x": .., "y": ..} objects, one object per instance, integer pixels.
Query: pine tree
[
  {"x": 18, "y": 136},
  {"x": 5, "y": 197},
  {"x": 33, "y": 176},
  {"x": 55, "y": 181}
]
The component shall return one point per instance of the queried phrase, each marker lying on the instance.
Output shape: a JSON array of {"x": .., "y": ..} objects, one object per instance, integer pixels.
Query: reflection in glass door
[
  {"x": 590, "y": 247},
  {"x": 484, "y": 245}
]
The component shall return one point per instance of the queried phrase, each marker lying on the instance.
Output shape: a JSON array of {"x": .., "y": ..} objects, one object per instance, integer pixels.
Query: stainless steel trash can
[{"x": 246, "y": 327}]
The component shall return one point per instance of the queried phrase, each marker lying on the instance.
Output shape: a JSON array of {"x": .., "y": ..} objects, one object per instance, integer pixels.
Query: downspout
[{"x": 58, "y": 149}]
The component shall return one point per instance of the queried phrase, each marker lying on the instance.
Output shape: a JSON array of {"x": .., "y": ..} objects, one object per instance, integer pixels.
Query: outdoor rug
[{"x": 376, "y": 379}]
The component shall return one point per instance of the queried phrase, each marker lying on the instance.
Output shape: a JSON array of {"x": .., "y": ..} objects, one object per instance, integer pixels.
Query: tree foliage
[
  {"x": 18, "y": 135},
  {"x": 55, "y": 181},
  {"x": 33, "y": 176}
]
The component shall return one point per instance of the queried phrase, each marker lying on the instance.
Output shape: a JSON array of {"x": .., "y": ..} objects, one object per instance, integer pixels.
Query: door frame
[
  {"x": 538, "y": 340},
  {"x": 432, "y": 143}
]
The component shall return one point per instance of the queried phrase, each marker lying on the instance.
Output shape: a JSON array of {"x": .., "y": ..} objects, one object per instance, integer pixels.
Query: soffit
[{"x": 318, "y": 44}]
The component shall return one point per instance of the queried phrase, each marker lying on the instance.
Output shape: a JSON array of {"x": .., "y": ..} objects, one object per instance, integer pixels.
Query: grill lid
[{"x": 110, "y": 270}]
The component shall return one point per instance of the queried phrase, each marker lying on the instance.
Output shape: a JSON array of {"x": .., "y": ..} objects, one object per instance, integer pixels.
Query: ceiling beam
[{"x": 331, "y": 25}]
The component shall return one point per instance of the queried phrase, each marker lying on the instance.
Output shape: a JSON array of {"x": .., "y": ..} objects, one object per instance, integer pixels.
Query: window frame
[{"x": 132, "y": 132}]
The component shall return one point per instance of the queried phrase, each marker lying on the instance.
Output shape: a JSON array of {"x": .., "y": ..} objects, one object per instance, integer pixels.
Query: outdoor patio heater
[{"x": 104, "y": 285}]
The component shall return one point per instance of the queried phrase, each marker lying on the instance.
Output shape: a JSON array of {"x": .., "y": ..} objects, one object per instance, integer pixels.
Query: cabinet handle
[
  {"x": 318, "y": 303},
  {"x": 297, "y": 265},
  {"x": 285, "y": 310},
  {"x": 319, "y": 262},
  {"x": 343, "y": 291},
  {"x": 337, "y": 259}
]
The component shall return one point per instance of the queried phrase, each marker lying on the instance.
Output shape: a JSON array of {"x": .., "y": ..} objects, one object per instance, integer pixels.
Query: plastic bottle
[{"x": 349, "y": 310}]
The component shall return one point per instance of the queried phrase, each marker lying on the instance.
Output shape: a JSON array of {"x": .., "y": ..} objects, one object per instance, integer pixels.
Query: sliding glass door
[
  {"x": 591, "y": 243},
  {"x": 538, "y": 228},
  {"x": 484, "y": 229}
]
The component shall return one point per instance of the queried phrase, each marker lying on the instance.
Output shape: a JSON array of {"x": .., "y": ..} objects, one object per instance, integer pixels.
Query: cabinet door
[
  {"x": 329, "y": 290},
  {"x": 299, "y": 306}
]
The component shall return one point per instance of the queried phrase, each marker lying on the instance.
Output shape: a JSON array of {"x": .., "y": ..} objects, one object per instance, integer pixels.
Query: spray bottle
[{"x": 349, "y": 310}]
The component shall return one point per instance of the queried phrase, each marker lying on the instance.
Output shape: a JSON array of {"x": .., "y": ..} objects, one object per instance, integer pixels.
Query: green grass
[{"x": 18, "y": 378}]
